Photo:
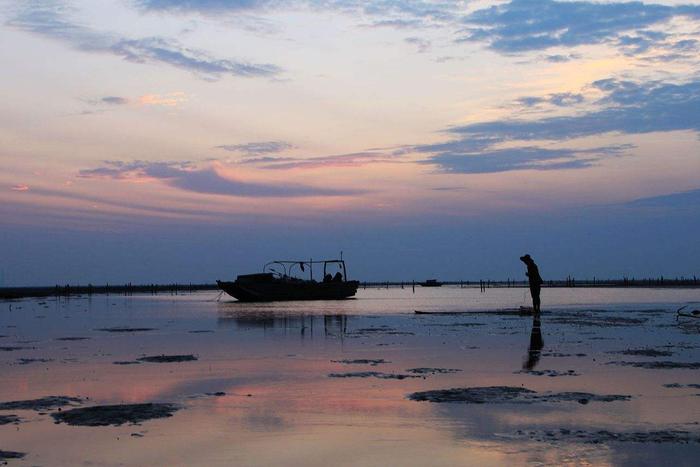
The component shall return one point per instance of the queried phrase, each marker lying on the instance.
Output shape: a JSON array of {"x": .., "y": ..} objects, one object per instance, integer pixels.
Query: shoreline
[{"x": 15, "y": 293}]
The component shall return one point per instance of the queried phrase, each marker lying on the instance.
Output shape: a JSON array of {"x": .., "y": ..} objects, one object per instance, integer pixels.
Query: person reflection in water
[
  {"x": 536, "y": 344},
  {"x": 533, "y": 275}
]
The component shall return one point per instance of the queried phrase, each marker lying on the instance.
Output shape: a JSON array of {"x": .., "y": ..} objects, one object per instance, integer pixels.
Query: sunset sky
[{"x": 186, "y": 140}]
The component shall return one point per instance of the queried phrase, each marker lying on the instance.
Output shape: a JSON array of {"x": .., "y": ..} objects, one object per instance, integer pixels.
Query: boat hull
[{"x": 273, "y": 291}]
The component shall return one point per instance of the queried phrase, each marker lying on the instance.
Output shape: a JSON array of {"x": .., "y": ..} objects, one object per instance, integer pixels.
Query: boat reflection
[{"x": 305, "y": 325}]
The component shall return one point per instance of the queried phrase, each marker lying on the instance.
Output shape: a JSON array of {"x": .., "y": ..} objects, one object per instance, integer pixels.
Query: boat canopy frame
[{"x": 288, "y": 267}]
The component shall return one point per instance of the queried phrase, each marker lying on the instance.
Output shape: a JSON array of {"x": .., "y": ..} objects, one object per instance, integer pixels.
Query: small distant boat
[
  {"x": 431, "y": 283},
  {"x": 277, "y": 283}
]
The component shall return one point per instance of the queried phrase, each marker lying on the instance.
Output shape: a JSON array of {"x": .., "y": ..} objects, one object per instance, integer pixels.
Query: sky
[{"x": 154, "y": 141}]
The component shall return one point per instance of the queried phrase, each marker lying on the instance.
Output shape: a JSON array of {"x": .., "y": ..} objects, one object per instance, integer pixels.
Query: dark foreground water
[{"x": 357, "y": 382}]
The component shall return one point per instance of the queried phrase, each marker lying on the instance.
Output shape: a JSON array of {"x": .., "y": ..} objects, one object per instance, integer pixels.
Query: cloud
[
  {"x": 389, "y": 13},
  {"x": 49, "y": 19},
  {"x": 114, "y": 100},
  {"x": 560, "y": 99},
  {"x": 560, "y": 58},
  {"x": 187, "y": 176},
  {"x": 627, "y": 107},
  {"x": 422, "y": 45},
  {"x": 521, "y": 158},
  {"x": 20, "y": 187},
  {"x": 630, "y": 108},
  {"x": 356, "y": 159},
  {"x": 687, "y": 199},
  {"x": 172, "y": 99},
  {"x": 257, "y": 148},
  {"x": 205, "y": 6},
  {"x": 396, "y": 23},
  {"x": 526, "y": 25}
]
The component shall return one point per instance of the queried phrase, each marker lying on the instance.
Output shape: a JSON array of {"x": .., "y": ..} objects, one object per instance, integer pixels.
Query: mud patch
[
  {"x": 662, "y": 365},
  {"x": 7, "y": 455},
  {"x": 362, "y": 361},
  {"x": 678, "y": 385},
  {"x": 550, "y": 373},
  {"x": 432, "y": 371},
  {"x": 645, "y": 352},
  {"x": 371, "y": 374},
  {"x": 69, "y": 338},
  {"x": 200, "y": 331},
  {"x": 561, "y": 355},
  {"x": 48, "y": 402},
  {"x": 378, "y": 331},
  {"x": 126, "y": 362},
  {"x": 595, "y": 320},
  {"x": 168, "y": 358},
  {"x": 125, "y": 329},
  {"x": 509, "y": 394},
  {"x": 27, "y": 361},
  {"x": 604, "y": 436},
  {"x": 8, "y": 419},
  {"x": 12, "y": 348},
  {"x": 456, "y": 325},
  {"x": 115, "y": 415}
]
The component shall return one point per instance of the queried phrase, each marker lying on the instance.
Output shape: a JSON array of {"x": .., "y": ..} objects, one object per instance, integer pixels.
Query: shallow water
[{"x": 280, "y": 406}]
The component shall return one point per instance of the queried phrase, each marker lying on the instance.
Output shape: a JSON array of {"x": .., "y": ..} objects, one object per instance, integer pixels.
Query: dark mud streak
[
  {"x": 662, "y": 365},
  {"x": 604, "y": 436},
  {"x": 432, "y": 371},
  {"x": 27, "y": 361},
  {"x": 115, "y": 415},
  {"x": 44, "y": 403},
  {"x": 127, "y": 362},
  {"x": 645, "y": 352},
  {"x": 509, "y": 394},
  {"x": 382, "y": 331},
  {"x": 362, "y": 361},
  {"x": 8, "y": 419},
  {"x": 12, "y": 348},
  {"x": 125, "y": 329},
  {"x": 167, "y": 358},
  {"x": 595, "y": 320},
  {"x": 71, "y": 338},
  {"x": 550, "y": 373},
  {"x": 7, "y": 455},
  {"x": 371, "y": 374},
  {"x": 455, "y": 325},
  {"x": 561, "y": 355}
]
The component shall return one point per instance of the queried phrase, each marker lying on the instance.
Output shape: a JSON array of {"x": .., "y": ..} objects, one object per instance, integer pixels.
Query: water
[{"x": 280, "y": 407}]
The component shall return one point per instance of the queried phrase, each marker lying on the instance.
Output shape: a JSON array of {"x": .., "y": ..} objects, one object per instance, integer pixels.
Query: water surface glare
[{"x": 321, "y": 383}]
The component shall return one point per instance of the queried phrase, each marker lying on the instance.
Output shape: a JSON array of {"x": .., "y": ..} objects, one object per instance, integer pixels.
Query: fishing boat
[
  {"x": 277, "y": 282},
  {"x": 431, "y": 283}
]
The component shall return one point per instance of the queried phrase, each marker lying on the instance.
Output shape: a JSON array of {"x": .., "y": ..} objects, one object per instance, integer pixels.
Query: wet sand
[{"x": 358, "y": 382}]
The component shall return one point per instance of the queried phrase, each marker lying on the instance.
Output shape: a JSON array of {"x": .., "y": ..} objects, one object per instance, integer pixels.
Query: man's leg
[{"x": 535, "y": 292}]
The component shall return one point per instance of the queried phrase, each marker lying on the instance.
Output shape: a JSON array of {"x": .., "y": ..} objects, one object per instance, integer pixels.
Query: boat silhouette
[
  {"x": 277, "y": 283},
  {"x": 430, "y": 283}
]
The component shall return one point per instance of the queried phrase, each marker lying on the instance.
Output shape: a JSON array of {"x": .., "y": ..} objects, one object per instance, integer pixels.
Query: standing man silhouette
[{"x": 533, "y": 275}]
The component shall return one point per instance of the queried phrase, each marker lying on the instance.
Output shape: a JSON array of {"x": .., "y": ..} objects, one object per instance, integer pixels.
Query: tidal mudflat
[{"x": 357, "y": 382}]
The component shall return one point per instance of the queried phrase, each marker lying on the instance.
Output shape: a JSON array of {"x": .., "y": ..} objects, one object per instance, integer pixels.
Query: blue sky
[{"x": 184, "y": 140}]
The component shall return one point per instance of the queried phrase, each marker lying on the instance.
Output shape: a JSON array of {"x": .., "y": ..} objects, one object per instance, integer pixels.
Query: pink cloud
[{"x": 20, "y": 187}]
